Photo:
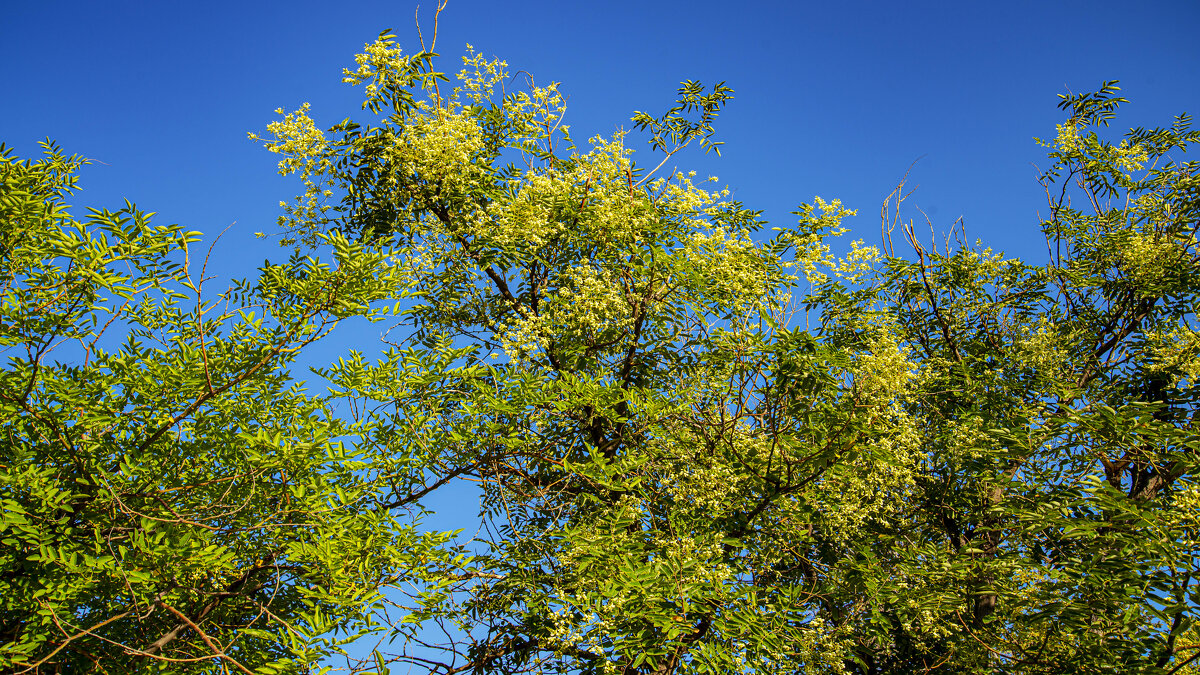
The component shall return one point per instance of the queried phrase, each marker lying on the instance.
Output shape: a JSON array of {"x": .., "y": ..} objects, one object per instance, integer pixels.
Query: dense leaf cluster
[{"x": 172, "y": 498}]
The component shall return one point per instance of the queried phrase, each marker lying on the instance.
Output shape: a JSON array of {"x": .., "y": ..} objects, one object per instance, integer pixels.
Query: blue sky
[{"x": 832, "y": 99}]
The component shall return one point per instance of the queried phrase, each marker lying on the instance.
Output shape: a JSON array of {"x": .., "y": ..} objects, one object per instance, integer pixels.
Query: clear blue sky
[{"x": 835, "y": 99}]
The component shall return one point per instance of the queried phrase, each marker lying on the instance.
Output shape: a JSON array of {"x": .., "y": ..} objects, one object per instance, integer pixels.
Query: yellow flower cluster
[
  {"x": 442, "y": 147},
  {"x": 872, "y": 483},
  {"x": 1040, "y": 346},
  {"x": 591, "y": 301},
  {"x": 528, "y": 221},
  {"x": 1147, "y": 259},
  {"x": 298, "y": 139},
  {"x": 305, "y": 151},
  {"x": 382, "y": 65},
  {"x": 1125, "y": 157},
  {"x": 883, "y": 373},
  {"x": 814, "y": 259},
  {"x": 731, "y": 263},
  {"x": 1176, "y": 350}
]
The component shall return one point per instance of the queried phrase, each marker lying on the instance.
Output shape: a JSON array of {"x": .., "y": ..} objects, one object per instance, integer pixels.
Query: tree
[
  {"x": 702, "y": 445},
  {"x": 971, "y": 463},
  {"x": 172, "y": 499},
  {"x": 1052, "y": 525}
]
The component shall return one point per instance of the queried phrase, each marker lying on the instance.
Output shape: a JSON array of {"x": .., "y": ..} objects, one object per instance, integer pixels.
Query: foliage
[
  {"x": 702, "y": 446},
  {"x": 172, "y": 499},
  {"x": 971, "y": 464},
  {"x": 1053, "y": 525}
]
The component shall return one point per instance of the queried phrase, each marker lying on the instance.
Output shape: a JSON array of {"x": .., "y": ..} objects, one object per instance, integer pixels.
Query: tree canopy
[
  {"x": 704, "y": 444},
  {"x": 173, "y": 499}
]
